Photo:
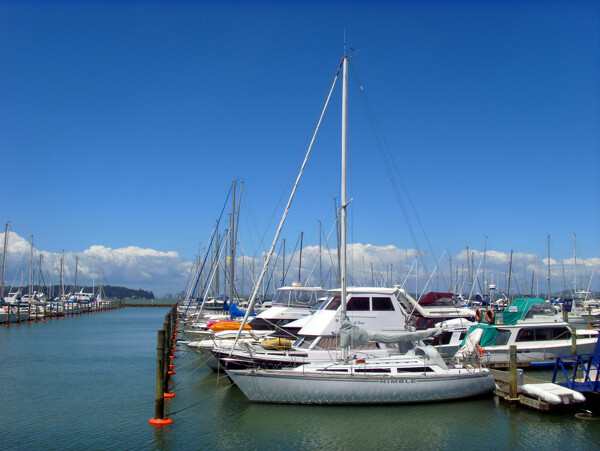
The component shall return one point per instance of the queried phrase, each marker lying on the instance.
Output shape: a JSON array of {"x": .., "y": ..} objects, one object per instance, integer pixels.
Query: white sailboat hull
[{"x": 290, "y": 387}]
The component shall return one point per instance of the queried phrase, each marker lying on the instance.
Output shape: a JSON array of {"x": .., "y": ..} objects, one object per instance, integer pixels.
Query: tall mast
[
  {"x": 343, "y": 191},
  {"x": 232, "y": 245},
  {"x": 62, "y": 287},
  {"x": 564, "y": 275},
  {"x": 549, "y": 287},
  {"x": 4, "y": 259},
  {"x": 469, "y": 274},
  {"x": 235, "y": 226},
  {"x": 337, "y": 232},
  {"x": 40, "y": 274},
  {"x": 216, "y": 256},
  {"x": 320, "y": 261},
  {"x": 30, "y": 268},
  {"x": 509, "y": 272},
  {"x": 283, "y": 263},
  {"x": 300, "y": 259},
  {"x": 485, "y": 283},
  {"x": 76, "y": 268},
  {"x": 451, "y": 279},
  {"x": 574, "y": 263}
]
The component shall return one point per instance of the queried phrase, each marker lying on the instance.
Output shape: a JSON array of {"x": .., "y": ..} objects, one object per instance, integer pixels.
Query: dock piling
[
  {"x": 159, "y": 408},
  {"x": 513, "y": 373}
]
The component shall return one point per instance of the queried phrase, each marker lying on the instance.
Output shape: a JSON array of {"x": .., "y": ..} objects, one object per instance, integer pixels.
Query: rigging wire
[{"x": 391, "y": 166}]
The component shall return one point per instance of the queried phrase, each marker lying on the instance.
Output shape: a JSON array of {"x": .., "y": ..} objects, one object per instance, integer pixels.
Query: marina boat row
[
  {"x": 33, "y": 311},
  {"x": 415, "y": 374},
  {"x": 370, "y": 345}
]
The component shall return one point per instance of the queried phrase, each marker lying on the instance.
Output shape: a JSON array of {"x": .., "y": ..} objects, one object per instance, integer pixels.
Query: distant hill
[{"x": 109, "y": 291}]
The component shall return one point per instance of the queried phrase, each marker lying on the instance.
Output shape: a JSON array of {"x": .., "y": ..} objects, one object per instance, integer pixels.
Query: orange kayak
[{"x": 228, "y": 325}]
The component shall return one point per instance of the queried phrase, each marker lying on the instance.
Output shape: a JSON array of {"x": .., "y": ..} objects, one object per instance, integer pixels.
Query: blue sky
[{"x": 124, "y": 123}]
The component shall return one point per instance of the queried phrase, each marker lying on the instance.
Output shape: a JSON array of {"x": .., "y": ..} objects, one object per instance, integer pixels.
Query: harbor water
[{"x": 88, "y": 382}]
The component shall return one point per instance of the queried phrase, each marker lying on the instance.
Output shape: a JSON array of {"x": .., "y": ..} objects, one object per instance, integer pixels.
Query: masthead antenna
[{"x": 344, "y": 41}]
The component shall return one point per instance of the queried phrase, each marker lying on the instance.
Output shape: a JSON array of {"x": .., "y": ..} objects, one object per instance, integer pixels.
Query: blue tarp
[{"x": 235, "y": 312}]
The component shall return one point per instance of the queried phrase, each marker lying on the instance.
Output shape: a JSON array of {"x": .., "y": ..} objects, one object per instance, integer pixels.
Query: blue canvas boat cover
[{"x": 235, "y": 312}]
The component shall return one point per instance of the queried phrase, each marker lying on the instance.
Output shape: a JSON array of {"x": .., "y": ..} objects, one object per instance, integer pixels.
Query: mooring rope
[{"x": 217, "y": 391}]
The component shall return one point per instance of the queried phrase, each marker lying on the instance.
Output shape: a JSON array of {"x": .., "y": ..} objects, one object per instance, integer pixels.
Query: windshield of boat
[
  {"x": 296, "y": 298},
  {"x": 439, "y": 302},
  {"x": 304, "y": 342},
  {"x": 540, "y": 309},
  {"x": 320, "y": 305},
  {"x": 334, "y": 303}
]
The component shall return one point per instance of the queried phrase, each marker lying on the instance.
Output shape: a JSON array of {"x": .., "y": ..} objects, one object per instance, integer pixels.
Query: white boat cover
[{"x": 352, "y": 335}]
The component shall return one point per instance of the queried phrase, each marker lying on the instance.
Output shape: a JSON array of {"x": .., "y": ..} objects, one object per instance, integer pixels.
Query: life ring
[
  {"x": 478, "y": 314},
  {"x": 489, "y": 316}
]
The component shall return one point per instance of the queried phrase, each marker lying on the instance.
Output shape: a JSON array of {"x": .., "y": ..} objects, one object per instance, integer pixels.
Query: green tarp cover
[
  {"x": 487, "y": 338},
  {"x": 518, "y": 309}
]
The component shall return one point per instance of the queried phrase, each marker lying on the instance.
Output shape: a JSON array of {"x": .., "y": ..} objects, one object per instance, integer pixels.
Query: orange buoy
[
  {"x": 170, "y": 372},
  {"x": 169, "y": 395},
  {"x": 171, "y": 356},
  {"x": 160, "y": 422},
  {"x": 171, "y": 366}
]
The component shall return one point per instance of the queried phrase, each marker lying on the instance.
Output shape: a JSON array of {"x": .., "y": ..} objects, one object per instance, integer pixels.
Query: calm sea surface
[{"x": 88, "y": 383}]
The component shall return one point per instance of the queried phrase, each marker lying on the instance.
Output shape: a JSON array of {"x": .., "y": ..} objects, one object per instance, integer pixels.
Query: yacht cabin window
[
  {"x": 334, "y": 303},
  {"x": 543, "y": 334},
  {"x": 502, "y": 337},
  {"x": 358, "y": 304},
  {"x": 382, "y": 304}
]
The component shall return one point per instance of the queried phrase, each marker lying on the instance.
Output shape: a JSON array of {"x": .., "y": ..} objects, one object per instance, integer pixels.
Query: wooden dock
[
  {"x": 503, "y": 380},
  {"x": 539, "y": 394}
]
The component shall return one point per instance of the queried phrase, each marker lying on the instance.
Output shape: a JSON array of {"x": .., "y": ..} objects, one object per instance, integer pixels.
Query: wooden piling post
[
  {"x": 8, "y": 316},
  {"x": 574, "y": 342},
  {"x": 159, "y": 408},
  {"x": 565, "y": 315},
  {"x": 513, "y": 372}
]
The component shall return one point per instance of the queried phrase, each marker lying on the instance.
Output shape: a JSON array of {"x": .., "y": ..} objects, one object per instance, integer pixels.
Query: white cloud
[
  {"x": 132, "y": 266},
  {"x": 162, "y": 272}
]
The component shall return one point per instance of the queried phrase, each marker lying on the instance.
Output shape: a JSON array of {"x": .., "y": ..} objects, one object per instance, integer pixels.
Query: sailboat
[{"x": 420, "y": 375}]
